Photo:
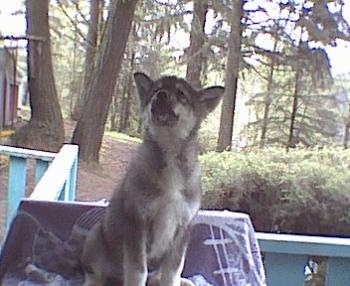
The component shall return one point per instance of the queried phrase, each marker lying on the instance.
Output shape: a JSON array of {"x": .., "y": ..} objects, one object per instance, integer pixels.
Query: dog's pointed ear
[
  {"x": 210, "y": 97},
  {"x": 143, "y": 84}
]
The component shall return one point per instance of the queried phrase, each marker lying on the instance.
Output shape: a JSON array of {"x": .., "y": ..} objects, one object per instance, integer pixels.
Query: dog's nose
[
  {"x": 162, "y": 109},
  {"x": 162, "y": 102}
]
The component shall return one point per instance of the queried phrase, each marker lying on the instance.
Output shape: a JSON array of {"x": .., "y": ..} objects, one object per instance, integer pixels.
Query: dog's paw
[
  {"x": 186, "y": 282},
  {"x": 155, "y": 281}
]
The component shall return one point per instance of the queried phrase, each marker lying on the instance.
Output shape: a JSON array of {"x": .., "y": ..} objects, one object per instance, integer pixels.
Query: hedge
[{"x": 300, "y": 191}]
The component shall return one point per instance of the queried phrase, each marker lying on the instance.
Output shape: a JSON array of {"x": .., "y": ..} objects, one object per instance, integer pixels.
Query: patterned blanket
[{"x": 45, "y": 239}]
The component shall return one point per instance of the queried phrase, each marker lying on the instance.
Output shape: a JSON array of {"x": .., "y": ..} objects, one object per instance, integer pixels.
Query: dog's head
[{"x": 172, "y": 106}]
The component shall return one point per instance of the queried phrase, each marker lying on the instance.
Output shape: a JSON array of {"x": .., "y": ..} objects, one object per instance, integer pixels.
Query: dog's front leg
[
  {"x": 173, "y": 263},
  {"x": 134, "y": 260}
]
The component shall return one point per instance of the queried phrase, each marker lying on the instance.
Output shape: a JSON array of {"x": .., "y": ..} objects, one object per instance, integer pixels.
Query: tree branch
[{"x": 79, "y": 32}]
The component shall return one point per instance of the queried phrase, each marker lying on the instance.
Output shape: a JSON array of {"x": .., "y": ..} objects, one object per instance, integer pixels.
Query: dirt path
[
  {"x": 98, "y": 183},
  {"x": 93, "y": 183}
]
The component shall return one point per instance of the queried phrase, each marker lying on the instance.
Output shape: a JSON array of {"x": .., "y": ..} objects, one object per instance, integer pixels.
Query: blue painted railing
[
  {"x": 55, "y": 175},
  {"x": 286, "y": 256}
]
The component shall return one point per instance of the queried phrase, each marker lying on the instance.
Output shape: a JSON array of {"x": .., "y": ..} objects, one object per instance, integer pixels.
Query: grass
[
  {"x": 6, "y": 133},
  {"x": 122, "y": 137}
]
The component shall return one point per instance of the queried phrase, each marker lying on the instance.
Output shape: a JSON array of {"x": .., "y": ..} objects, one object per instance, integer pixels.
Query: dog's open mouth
[{"x": 162, "y": 110}]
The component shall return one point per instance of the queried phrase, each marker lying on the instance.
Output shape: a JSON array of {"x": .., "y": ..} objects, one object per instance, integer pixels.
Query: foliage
[
  {"x": 317, "y": 118},
  {"x": 283, "y": 36},
  {"x": 68, "y": 27},
  {"x": 301, "y": 191},
  {"x": 295, "y": 105},
  {"x": 208, "y": 135}
]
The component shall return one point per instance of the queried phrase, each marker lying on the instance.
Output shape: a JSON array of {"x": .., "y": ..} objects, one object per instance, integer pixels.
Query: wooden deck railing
[
  {"x": 55, "y": 175},
  {"x": 286, "y": 256}
]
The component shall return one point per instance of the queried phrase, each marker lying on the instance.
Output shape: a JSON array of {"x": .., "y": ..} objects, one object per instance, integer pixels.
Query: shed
[{"x": 10, "y": 79}]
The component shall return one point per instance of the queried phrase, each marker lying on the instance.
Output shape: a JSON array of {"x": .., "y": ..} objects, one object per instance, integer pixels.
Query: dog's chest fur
[{"x": 174, "y": 207}]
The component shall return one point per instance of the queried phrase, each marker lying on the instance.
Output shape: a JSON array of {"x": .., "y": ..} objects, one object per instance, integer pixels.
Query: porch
[{"x": 285, "y": 257}]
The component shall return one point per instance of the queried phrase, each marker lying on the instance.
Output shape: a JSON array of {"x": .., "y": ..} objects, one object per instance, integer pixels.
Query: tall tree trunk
[
  {"x": 90, "y": 127},
  {"x": 113, "y": 113},
  {"x": 291, "y": 138},
  {"x": 267, "y": 99},
  {"x": 231, "y": 78},
  {"x": 73, "y": 78},
  {"x": 194, "y": 65},
  {"x": 347, "y": 130},
  {"x": 45, "y": 129},
  {"x": 91, "y": 47},
  {"x": 123, "y": 100},
  {"x": 124, "y": 112},
  {"x": 127, "y": 94},
  {"x": 347, "y": 133},
  {"x": 125, "y": 107},
  {"x": 125, "y": 91}
]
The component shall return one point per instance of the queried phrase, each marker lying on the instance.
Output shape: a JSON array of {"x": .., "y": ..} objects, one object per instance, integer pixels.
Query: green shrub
[
  {"x": 208, "y": 135},
  {"x": 302, "y": 191}
]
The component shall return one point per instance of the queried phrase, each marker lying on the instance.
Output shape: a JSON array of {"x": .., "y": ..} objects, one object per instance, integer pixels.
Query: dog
[{"x": 143, "y": 236}]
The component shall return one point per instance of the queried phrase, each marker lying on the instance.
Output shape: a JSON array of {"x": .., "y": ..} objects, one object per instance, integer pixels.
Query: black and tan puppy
[{"x": 147, "y": 223}]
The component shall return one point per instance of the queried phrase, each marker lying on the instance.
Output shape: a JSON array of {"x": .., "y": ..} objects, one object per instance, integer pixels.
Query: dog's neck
[
  {"x": 182, "y": 152},
  {"x": 170, "y": 145}
]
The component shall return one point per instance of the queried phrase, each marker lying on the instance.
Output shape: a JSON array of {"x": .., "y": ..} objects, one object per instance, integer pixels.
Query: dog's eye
[{"x": 182, "y": 97}]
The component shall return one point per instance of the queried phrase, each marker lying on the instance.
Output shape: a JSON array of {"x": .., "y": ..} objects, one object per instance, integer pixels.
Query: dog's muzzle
[{"x": 162, "y": 109}]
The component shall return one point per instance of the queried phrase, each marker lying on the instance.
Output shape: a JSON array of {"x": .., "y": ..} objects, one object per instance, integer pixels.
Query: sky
[
  {"x": 15, "y": 25},
  {"x": 10, "y": 24}
]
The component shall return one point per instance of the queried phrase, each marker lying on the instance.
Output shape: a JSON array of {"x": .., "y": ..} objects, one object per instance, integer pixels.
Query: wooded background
[{"x": 270, "y": 56}]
